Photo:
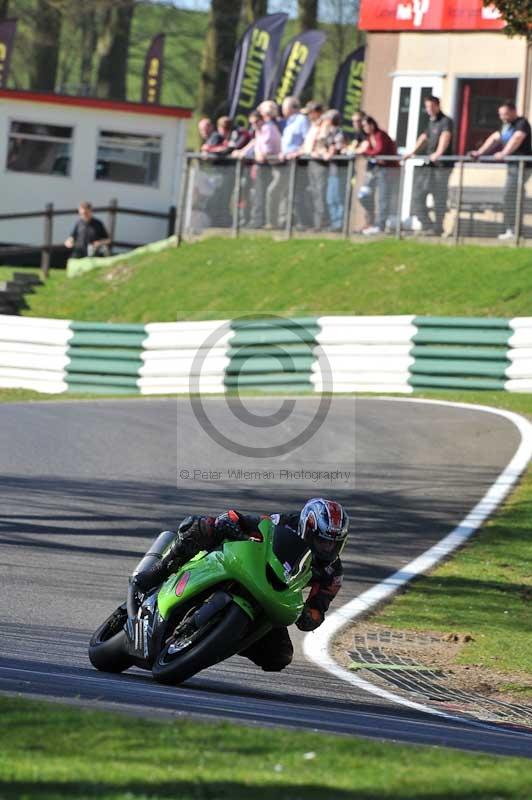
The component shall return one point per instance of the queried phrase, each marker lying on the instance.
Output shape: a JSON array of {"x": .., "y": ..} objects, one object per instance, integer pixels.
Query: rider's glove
[
  {"x": 310, "y": 619},
  {"x": 228, "y": 526}
]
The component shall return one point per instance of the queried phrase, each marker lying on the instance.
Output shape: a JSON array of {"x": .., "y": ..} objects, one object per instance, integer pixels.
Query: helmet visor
[{"x": 326, "y": 549}]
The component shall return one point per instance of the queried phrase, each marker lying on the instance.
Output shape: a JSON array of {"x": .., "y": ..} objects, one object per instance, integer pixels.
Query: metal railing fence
[{"x": 458, "y": 198}]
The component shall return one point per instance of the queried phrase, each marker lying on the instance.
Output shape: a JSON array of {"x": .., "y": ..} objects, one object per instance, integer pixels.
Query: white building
[{"x": 61, "y": 149}]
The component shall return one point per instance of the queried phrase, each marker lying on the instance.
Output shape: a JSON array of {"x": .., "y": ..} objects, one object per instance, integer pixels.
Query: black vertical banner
[
  {"x": 347, "y": 90},
  {"x": 297, "y": 62},
  {"x": 253, "y": 66},
  {"x": 8, "y": 28},
  {"x": 153, "y": 71}
]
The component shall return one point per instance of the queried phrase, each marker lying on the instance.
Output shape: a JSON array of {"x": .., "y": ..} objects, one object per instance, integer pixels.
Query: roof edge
[{"x": 127, "y": 106}]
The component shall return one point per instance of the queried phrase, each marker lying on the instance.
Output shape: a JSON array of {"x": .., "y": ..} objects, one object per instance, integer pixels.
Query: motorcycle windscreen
[{"x": 290, "y": 550}]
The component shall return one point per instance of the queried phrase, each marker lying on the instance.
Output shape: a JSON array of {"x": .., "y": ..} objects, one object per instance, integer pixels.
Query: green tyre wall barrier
[{"x": 428, "y": 382}]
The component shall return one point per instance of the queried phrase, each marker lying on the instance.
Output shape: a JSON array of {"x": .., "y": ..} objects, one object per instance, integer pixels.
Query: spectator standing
[
  {"x": 433, "y": 177},
  {"x": 247, "y": 181},
  {"x": 330, "y": 145},
  {"x": 265, "y": 146},
  {"x": 206, "y": 130},
  {"x": 358, "y": 133},
  {"x": 224, "y": 139},
  {"x": 218, "y": 142},
  {"x": 216, "y": 148},
  {"x": 295, "y": 128},
  {"x": 89, "y": 235},
  {"x": 513, "y": 139},
  {"x": 365, "y": 193},
  {"x": 382, "y": 176},
  {"x": 294, "y": 131},
  {"x": 318, "y": 169}
]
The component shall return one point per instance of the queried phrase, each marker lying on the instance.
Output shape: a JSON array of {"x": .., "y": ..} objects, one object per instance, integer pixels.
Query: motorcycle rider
[{"x": 322, "y": 524}]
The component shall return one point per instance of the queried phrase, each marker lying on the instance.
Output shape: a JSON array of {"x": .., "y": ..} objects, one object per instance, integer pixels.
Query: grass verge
[
  {"x": 49, "y": 751},
  {"x": 29, "y": 396},
  {"x": 222, "y": 278},
  {"x": 484, "y": 590}
]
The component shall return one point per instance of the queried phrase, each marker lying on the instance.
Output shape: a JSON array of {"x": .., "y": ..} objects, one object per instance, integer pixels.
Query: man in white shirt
[{"x": 294, "y": 132}]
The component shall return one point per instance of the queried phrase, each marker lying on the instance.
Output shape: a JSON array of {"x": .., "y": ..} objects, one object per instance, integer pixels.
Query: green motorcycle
[{"x": 217, "y": 605}]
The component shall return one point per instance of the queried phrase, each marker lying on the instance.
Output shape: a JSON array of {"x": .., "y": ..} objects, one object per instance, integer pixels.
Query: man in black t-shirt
[
  {"x": 89, "y": 235},
  {"x": 513, "y": 139},
  {"x": 433, "y": 177}
]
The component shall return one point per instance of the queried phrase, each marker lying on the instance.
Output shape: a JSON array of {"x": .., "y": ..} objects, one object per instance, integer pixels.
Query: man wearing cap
[{"x": 318, "y": 170}]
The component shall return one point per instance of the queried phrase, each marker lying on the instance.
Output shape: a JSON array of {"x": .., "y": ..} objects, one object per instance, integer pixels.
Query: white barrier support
[
  {"x": 519, "y": 373},
  {"x": 364, "y": 354},
  {"x": 33, "y": 353},
  {"x": 174, "y": 351}
]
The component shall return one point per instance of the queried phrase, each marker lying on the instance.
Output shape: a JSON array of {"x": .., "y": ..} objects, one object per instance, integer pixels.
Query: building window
[
  {"x": 478, "y": 103},
  {"x": 36, "y": 147},
  {"x": 423, "y": 117},
  {"x": 128, "y": 158},
  {"x": 402, "y": 115}
]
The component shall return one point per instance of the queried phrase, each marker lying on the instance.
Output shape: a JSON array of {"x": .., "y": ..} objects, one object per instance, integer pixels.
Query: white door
[{"x": 408, "y": 119}]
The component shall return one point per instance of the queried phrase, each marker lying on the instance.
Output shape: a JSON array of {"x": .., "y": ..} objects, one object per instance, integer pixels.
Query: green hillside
[{"x": 223, "y": 278}]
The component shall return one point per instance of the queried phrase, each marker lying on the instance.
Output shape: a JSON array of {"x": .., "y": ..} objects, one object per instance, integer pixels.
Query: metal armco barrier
[{"x": 394, "y": 354}]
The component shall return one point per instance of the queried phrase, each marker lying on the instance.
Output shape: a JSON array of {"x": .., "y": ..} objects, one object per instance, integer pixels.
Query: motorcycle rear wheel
[
  {"x": 218, "y": 639},
  {"x": 108, "y": 645}
]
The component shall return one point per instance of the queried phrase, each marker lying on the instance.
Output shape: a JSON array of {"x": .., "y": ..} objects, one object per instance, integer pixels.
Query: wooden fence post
[
  {"x": 113, "y": 210},
  {"x": 171, "y": 221},
  {"x": 46, "y": 252}
]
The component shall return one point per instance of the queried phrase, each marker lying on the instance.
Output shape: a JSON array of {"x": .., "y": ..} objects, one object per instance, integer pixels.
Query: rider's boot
[{"x": 169, "y": 552}]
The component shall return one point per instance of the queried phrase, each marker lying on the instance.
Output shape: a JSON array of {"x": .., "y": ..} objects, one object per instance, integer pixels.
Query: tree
[
  {"x": 89, "y": 37},
  {"x": 112, "y": 48},
  {"x": 307, "y": 14},
  {"x": 254, "y": 9},
  {"x": 218, "y": 53},
  {"x": 4, "y": 9},
  {"x": 517, "y": 15},
  {"x": 342, "y": 34},
  {"x": 307, "y": 19},
  {"x": 45, "y": 48}
]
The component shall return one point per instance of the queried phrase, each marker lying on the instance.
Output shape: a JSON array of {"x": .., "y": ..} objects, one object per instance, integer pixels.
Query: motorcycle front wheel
[
  {"x": 188, "y": 650},
  {"x": 108, "y": 645}
]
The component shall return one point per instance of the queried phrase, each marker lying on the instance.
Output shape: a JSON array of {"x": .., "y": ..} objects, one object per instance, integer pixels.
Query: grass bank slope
[{"x": 222, "y": 278}]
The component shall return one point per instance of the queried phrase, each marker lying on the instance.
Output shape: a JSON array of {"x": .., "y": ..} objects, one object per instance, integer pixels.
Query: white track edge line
[{"x": 316, "y": 645}]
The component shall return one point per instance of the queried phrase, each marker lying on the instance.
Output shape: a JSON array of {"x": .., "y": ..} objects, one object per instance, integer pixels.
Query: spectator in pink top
[{"x": 264, "y": 148}]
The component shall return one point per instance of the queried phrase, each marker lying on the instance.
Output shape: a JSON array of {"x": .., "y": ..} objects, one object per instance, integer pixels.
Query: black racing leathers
[{"x": 274, "y": 651}]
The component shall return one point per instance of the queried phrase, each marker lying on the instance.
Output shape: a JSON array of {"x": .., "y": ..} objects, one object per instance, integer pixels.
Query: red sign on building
[{"x": 428, "y": 15}]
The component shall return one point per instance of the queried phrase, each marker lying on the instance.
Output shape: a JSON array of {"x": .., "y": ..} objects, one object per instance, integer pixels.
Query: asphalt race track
[{"x": 86, "y": 485}]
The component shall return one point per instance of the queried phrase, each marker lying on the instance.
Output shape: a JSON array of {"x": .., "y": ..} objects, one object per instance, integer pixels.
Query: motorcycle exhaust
[{"x": 156, "y": 552}]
